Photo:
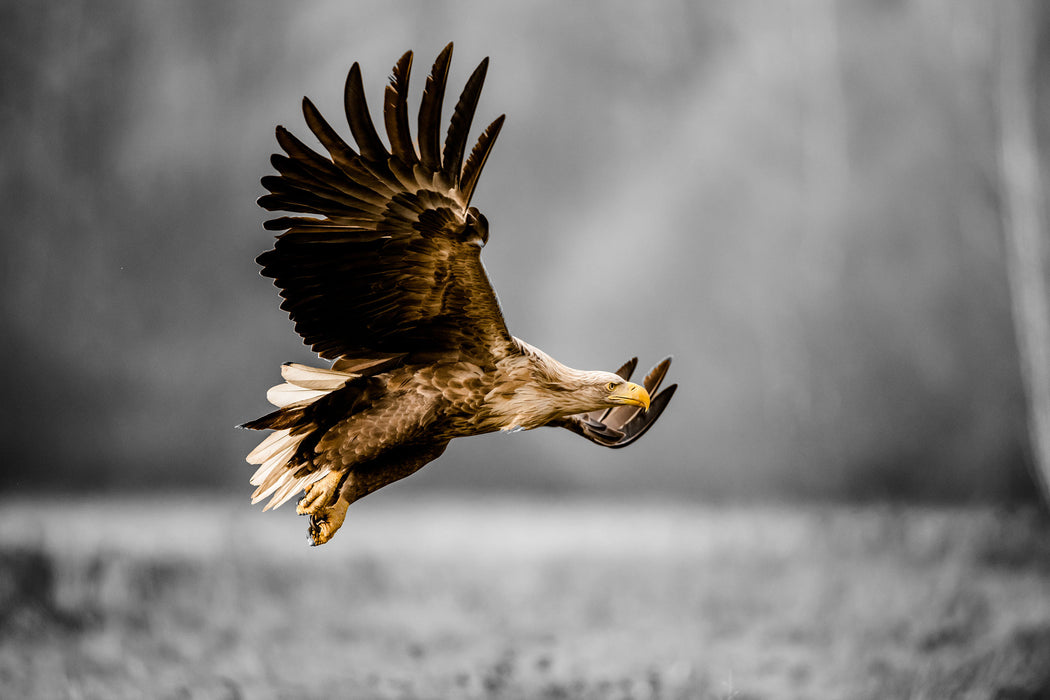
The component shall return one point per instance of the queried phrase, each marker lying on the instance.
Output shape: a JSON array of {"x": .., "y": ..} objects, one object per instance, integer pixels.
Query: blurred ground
[{"x": 521, "y": 598}]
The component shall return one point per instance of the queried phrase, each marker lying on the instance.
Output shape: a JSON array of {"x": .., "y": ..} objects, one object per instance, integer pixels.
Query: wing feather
[
  {"x": 296, "y": 173},
  {"x": 341, "y": 153},
  {"x": 429, "y": 123},
  {"x": 478, "y": 155},
  {"x": 305, "y": 156},
  {"x": 360, "y": 120},
  {"x": 395, "y": 113},
  {"x": 385, "y": 259},
  {"x": 459, "y": 127}
]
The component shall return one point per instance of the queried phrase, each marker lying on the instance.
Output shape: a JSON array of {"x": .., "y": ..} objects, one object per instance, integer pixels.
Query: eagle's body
[{"x": 386, "y": 279}]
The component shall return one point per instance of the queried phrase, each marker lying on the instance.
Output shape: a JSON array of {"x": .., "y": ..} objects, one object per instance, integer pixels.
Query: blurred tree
[{"x": 1022, "y": 157}]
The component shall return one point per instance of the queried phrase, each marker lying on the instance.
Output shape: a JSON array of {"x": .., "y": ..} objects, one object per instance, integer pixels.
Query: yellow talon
[{"x": 325, "y": 523}]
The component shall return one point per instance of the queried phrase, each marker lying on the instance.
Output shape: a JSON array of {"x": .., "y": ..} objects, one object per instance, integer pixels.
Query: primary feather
[{"x": 381, "y": 272}]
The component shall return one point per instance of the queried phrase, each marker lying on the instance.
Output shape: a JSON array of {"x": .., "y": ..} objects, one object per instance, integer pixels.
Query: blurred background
[{"x": 812, "y": 190}]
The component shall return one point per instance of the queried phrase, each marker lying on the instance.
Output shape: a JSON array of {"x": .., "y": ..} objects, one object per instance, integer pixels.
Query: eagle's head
[
  {"x": 579, "y": 391},
  {"x": 542, "y": 390},
  {"x": 607, "y": 390}
]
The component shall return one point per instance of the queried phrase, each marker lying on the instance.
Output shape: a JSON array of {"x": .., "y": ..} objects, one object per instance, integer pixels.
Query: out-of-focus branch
[{"x": 1024, "y": 219}]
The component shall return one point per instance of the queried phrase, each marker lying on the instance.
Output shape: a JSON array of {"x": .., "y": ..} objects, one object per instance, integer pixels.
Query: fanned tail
[
  {"x": 285, "y": 456},
  {"x": 284, "y": 470}
]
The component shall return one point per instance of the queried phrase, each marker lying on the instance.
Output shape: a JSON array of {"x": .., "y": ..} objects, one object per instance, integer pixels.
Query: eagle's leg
[
  {"x": 325, "y": 521},
  {"x": 327, "y": 517},
  {"x": 326, "y": 501},
  {"x": 320, "y": 494}
]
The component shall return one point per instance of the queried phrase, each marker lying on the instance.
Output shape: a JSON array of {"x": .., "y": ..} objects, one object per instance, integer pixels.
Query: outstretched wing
[
  {"x": 387, "y": 258},
  {"x": 622, "y": 425}
]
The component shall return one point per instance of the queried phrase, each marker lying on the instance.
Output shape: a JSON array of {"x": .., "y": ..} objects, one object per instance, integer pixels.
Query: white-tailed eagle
[{"x": 380, "y": 269}]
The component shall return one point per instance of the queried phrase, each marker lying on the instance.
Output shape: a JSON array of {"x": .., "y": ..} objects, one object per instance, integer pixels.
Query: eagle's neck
[{"x": 533, "y": 389}]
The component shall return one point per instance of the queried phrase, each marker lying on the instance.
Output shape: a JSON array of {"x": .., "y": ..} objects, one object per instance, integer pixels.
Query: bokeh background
[
  {"x": 806, "y": 196},
  {"x": 815, "y": 206}
]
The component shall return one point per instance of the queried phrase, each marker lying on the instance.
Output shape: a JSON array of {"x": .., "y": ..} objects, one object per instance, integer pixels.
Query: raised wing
[
  {"x": 387, "y": 258},
  {"x": 622, "y": 425}
]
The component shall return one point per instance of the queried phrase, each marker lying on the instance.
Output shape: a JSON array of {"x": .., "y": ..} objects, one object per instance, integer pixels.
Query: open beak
[{"x": 631, "y": 394}]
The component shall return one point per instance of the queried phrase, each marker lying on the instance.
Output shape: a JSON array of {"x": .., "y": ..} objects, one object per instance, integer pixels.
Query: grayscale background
[
  {"x": 806, "y": 196},
  {"x": 808, "y": 204}
]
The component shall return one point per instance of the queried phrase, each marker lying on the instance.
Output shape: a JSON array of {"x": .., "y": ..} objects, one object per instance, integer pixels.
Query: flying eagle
[{"x": 383, "y": 275}]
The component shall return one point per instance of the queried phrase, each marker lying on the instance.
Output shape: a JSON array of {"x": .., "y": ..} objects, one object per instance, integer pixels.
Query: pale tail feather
[
  {"x": 270, "y": 482},
  {"x": 316, "y": 378},
  {"x": 278, "y": 461},
  {"x": 276, "y": 475},
  {"x": 292, "y": 486},
  {"x": 289, "y": 486},
  {"x": 265, "y": 475},
  {"x": 285, "y": 395},
  {"x": 273, "y": 443}
]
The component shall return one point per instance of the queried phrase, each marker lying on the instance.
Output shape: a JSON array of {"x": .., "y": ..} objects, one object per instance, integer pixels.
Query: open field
[{"x": 521, "y": 598}]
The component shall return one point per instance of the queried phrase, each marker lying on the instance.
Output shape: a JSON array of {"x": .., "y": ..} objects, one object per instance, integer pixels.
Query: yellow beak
[{"x": 631, "y": 394}]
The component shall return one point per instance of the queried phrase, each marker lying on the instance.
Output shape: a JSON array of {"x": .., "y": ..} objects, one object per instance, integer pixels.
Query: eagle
[{"x": 379, "y": 266}]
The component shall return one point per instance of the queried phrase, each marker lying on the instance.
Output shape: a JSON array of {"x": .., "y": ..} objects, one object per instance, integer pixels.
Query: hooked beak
[{"x": 631, "y": 394}]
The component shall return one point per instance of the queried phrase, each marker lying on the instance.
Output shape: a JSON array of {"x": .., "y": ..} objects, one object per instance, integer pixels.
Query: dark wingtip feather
[
  {"x": 643, "y": 421},
  {"x": 332, "y": 141},
  {"x": 263, "y": 423},
  {"x": 303, "y": 155},
  {"x": 360, "y": 120},
  {"x": 282, "y": 223},
  {"x": 627, "y": 369},
  {"x": 263, "y": 259},
  {"x": 661, "y": 401},
  {"x": 479, "y": 156},
  {"x": 271, "y": 182},
  {"x": 459, "y": 126},
  {"x": 271, "y": 202},
  {"x": 395, "y": 111},
  {"x": 402, "y": 69},
  {"x": 656, "y": 375},
  {"x": 429, "y": 121}
]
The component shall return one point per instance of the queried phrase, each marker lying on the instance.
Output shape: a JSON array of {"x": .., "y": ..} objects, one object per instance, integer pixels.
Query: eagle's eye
[{"x": 610, "y": 386}]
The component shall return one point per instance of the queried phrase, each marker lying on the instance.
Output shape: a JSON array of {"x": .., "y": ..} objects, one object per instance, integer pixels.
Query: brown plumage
[{"x": 383, "y": 275}]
